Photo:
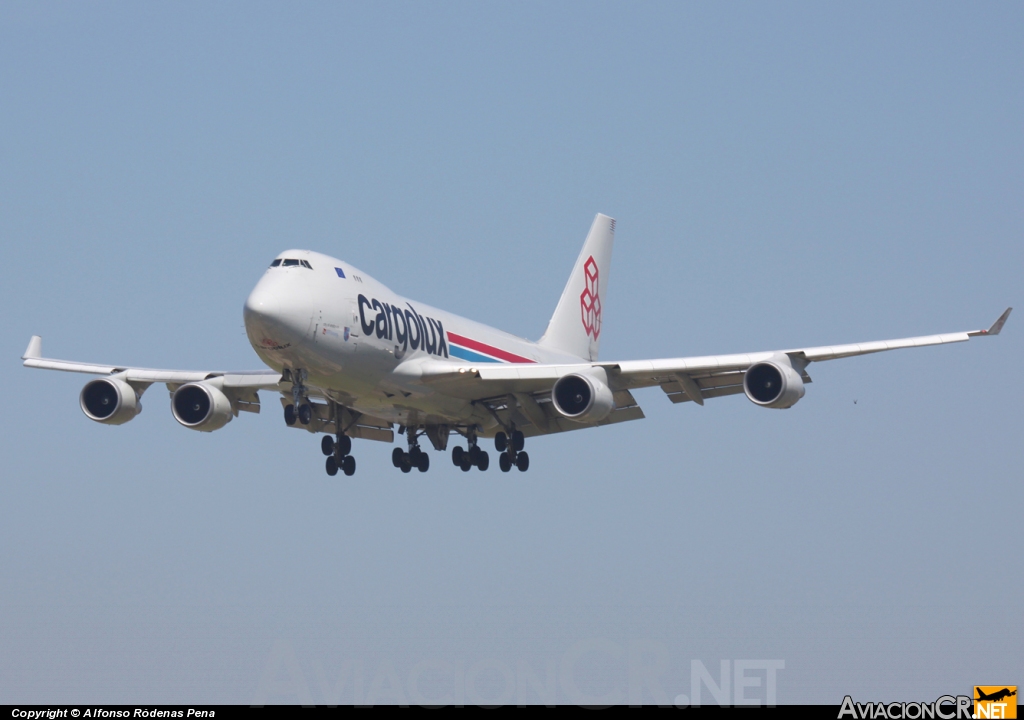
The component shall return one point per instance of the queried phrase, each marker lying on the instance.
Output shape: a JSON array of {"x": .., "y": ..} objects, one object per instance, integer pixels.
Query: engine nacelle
[
  {"x": 773, "y": 384},
  {"x": 109, "y": 401},
  {"x": 200, "y": 406},
  {"x": 582, "y": 398}
]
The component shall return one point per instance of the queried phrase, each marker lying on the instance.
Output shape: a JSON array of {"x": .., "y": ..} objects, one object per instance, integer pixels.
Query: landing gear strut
[{"x": 511, "y": 449}]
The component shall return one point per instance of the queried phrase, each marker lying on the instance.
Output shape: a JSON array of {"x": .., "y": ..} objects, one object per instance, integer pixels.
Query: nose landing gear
[{"x": 300, "y": 409}]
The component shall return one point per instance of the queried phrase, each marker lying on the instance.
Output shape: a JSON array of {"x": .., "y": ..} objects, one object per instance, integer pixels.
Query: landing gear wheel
[
  {"x": 500, "y": 442},
  {"x": 397, "y": 456},
  {"x": 523, "y": 462},
  {"x": 327, "y": 445},
  {"x": 457, "y": 453},
  {"x": 414, "y": 456},
  {"x": 474, "y": 454},
  {"x": 518, "y": 441},
  {"x": 332, "y": 466},
  {"x": 465, "y": 464},
  {"x": 504, "y": 462},
  {"x": 483, "y": 461},
  {"x": 289, "y": 414},
  {"x": 344, "y": 446},
  {"x": 423, "y": 462},
  {"x": 305, "y": 413},
  {"x": 349, "y": 465},
  {"x": 405, "y": 466}
]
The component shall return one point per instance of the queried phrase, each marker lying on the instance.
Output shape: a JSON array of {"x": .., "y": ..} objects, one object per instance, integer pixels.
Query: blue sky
[{"x": 782, "y": 175}]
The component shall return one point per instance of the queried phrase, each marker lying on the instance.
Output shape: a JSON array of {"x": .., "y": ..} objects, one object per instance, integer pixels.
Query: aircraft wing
[
  {"x": 699, "y": 378},
  {"x": 244, "y": 379},
  {"x": 241, "y": 386},
  {"x": 682, "y": 379}
]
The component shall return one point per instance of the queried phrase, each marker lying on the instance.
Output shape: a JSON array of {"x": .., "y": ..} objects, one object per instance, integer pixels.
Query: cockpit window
[{"x": 291, "y": 262}]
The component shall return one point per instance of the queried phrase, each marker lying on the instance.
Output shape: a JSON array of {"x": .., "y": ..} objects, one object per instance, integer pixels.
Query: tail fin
[{"x": 575, "y": 327}]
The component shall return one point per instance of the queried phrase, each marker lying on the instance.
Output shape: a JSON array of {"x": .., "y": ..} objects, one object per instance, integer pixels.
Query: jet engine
[
  {"x": 201, "y": 406},
  {"x": 110, "y": 401},
  {"x": 582, "y": 398},
  {"x": 773, "y": 384}
]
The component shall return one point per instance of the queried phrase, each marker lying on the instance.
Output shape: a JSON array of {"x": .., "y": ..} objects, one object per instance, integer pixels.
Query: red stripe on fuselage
[{"x": 487, "y": 349}]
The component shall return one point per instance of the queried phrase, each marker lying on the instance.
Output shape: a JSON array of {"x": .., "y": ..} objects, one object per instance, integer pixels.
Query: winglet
[
  {"x": 34, "y": 349},
  {"x": 996, "y": 326}
]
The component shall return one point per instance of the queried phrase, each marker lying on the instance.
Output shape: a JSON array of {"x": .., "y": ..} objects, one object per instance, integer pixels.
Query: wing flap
[
  {"x": 556, "y": 423},
  {"x": 353, "y": 424},
  {"x": 707, "y": 394}
]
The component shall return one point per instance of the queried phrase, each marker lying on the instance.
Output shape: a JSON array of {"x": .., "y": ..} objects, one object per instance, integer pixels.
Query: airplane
[
  {"x": 996, "y": 696},
  {"x": 352, "y": 359}
]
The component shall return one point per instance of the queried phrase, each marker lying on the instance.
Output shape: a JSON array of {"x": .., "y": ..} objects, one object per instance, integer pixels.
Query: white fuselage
[{"x": 349, "y": 333}]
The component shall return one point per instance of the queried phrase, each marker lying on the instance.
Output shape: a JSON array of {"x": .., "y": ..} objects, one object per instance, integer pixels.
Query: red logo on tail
[{"x": 590, "y": 301}]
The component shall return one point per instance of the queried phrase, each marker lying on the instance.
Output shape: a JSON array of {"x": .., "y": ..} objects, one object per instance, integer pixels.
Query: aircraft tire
[
  {"x": 349, "y": 465},
  {"x": 327, "y": 445},
  {"x": 331, "y": 466},
  {"x": 305, "y": 413},
  {"x": 289, "y": 415},
  {"x": 500, "y": 442},
  {"x": 457, "y": 453},
  {"x": 406, "y": 467},
  {"x": 465, "y": 464},
  {"x": 523, "y": 462},
  {"x": 483, "y": 461},
  {"x": 397, "y": 457},
  {"x": 504, "y": 462},
  {"x": 344, "y": 446},
  {"x": 518, "y": 441},
  {"x": 423, "y": 462}
]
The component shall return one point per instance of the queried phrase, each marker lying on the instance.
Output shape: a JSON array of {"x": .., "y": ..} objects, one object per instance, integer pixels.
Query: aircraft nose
[{"x": 274, "y": 315}]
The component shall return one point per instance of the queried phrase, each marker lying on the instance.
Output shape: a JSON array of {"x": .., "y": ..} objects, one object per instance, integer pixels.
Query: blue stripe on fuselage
[{"x": 464, "y": 354}]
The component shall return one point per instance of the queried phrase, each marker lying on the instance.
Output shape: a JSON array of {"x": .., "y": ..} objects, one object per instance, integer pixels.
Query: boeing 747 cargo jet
[{"x": 351, "y": 358}]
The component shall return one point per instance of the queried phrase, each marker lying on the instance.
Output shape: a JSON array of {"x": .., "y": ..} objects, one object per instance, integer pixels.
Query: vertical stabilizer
[{"x": 575, "y": 327}]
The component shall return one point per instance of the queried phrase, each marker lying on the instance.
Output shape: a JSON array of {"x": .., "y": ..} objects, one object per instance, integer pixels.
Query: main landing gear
[
  {"x": 337, "y": 452},
  {"x": 472, "y": 457},
  {"x": 414, "y": 458},
  {"x": 511, "y": 449},
  {"x": 337, "y": 448}
]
